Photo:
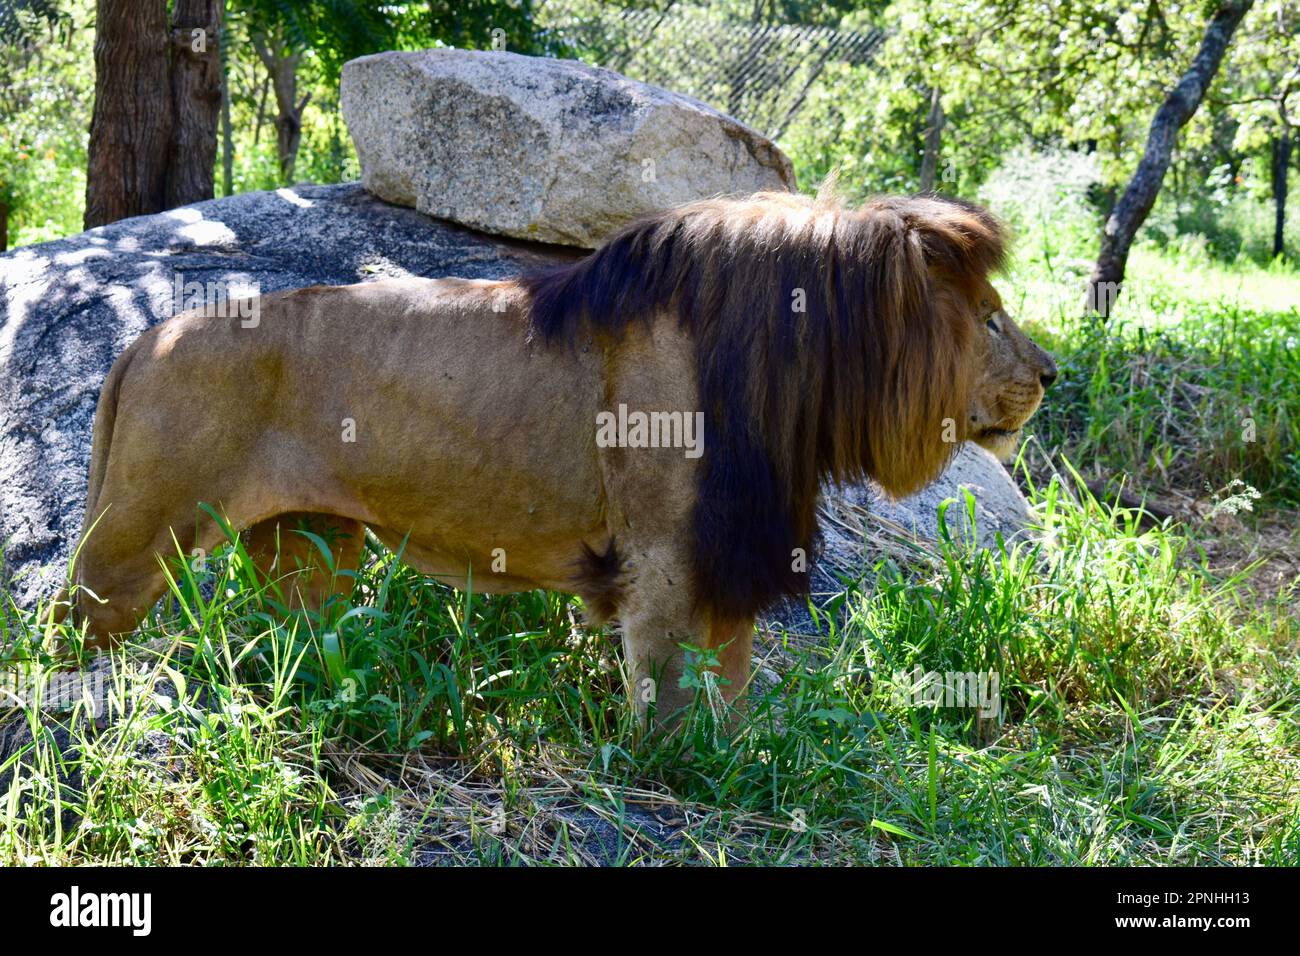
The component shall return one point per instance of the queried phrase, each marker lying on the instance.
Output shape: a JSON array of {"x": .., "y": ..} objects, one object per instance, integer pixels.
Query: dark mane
[{"x": 858, "y": 384}]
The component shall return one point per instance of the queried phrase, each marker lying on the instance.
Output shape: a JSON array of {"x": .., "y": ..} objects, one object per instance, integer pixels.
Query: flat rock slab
[{"x": 539, "y": 148}]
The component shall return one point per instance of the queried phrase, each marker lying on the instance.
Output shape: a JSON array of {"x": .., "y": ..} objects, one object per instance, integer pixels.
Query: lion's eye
[{"x": 992, "y": 324}]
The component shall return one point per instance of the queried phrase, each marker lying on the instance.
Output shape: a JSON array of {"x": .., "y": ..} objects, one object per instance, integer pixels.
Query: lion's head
[
  {"x": 1012, "y": 374},
  {"x": 831, "y": 344}
]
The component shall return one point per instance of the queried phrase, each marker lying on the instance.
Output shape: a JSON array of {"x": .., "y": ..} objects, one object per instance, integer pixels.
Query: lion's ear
[{"x": 961, "y": 241}]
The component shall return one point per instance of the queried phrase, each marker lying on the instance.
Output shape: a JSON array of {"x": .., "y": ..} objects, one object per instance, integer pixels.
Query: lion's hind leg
[
  {"x": 117, "y": 569},
  {"x": 285, "y": 549}
]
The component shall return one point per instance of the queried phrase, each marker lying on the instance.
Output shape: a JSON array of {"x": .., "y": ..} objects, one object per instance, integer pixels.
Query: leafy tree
[
  {"x": 1261, "y": 94},
  {"x": 19, "y": 22},
  {"x": 477, "y": 24},
  {"x": 1079, "y": 75},
  {"x": 1177, "y": 108},
  {"x": 331, "y": 31},
  {"x": 326, "y": 34},
  {"x": 45, "y": 98},
  {"x": 20, "y": 18}
]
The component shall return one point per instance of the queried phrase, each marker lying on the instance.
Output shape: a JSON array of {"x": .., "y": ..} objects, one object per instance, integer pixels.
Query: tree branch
[{"x": 1179, "y": 107}]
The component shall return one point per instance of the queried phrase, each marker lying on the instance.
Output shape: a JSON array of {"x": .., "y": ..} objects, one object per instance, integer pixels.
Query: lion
[{"x": 482, "y": 427}]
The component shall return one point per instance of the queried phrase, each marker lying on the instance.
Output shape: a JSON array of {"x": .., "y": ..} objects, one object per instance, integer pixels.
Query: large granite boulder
[
  {"x": 545, "y": 149},
  {"x": 861, "y": 524},
  {"x": 68, "y": 308}
]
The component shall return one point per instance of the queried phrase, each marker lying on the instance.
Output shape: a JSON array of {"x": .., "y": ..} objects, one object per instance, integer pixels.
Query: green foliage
[
  {"x": 44, "y": 130},
  {"x": 1078, "y": 82},
  {"x": 1084, "y": 75},
  {"x": 478, "y": 24},
  {"x": 1230, "y": 215},
  {"x": 1208, "y": 398},
  {"x": 335, "y": 31},
  {"x": 20, "y": 19},
  {"x": 1044, "y": 197},
  {"x": 47, "y": 92},
  {"x": 849, "y": 125},
  {"x": 1261, "y": 75}
]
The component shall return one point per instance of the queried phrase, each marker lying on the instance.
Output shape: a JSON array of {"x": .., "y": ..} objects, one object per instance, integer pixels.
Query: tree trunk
[
  {"x": 1179, "y": 106},
  {"x": 283, "y": 70},
  {"x": 261, "y": 110},
  {"x": 933, "y": 138},
  {"x": 227, "y": 146},
  {"x": 196, "y": 98},
  {"x": 4, "y": 226},
  {"x": 288, "y": 124},
  {"x": 1281, "y": 166},
  {"x": 131, "y": 124}
]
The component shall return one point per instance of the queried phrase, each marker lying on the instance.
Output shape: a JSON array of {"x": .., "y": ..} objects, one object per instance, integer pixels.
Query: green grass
[
  {"x": 1148, "y": 718},
  {"x": 1192, "y": 383},
  {"x": 1149, "y": 691}
]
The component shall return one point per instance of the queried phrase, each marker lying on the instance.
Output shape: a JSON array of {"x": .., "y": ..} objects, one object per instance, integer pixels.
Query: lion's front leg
[
  {"x": 656, "y": 664},
  {"x": 657, "y": 620}
]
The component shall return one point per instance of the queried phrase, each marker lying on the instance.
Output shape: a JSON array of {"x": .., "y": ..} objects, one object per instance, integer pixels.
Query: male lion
[{"x": 461, "y": 417}]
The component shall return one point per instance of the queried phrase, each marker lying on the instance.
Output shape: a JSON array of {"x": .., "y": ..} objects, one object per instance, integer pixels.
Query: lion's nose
[{"x": 1048, "y": 375}]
